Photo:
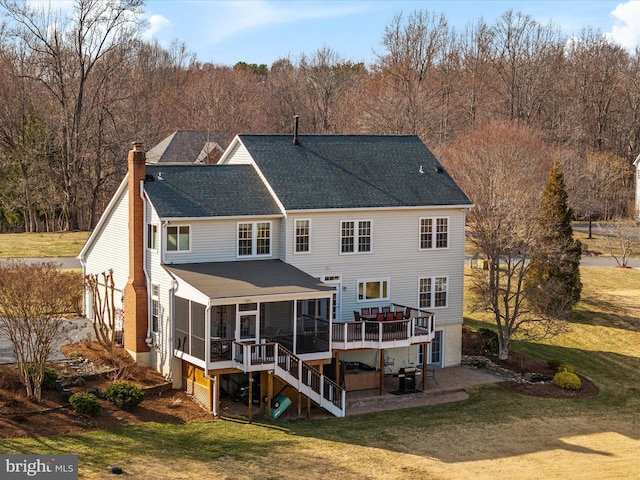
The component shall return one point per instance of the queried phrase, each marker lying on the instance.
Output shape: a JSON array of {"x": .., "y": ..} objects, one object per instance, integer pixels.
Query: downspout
[
  {"x": 207, "y": 342},
  {"x": 85, "y": 303},
  {"x": 172, "y": 309}
]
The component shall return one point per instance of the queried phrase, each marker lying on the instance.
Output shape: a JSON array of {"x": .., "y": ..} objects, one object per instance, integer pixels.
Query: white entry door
[
  {"x": 247, "y": 323},
  {"x": 335, "y": 281}
]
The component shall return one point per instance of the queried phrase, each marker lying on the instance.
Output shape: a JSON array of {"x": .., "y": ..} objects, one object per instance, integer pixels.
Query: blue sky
[{"x": 262, "y": 31}]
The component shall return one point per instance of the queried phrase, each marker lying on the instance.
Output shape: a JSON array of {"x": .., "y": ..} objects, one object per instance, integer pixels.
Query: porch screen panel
[
  {"x": 280, "y": 316},
  {"x": 182, "y": 324},
  {"x": 197, "y": 330}
]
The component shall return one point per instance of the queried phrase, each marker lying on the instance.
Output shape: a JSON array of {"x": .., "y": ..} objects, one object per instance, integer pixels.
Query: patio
[{"x": 449, "y": 386}]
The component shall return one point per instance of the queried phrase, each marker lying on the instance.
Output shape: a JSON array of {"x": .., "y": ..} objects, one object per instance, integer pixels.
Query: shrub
[
  {"x": 554, "y": 363},
  {"x": 86, "y": 404},
  {"x": 49, "y": 379},
  {"x": 489, "y": 339},
  {"x": 124, "y": 394},
  {"x": 561, "y": 366},
  {"x": 567, "y": 381}
]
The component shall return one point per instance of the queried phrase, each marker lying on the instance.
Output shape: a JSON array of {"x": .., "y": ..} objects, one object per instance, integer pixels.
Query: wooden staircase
[{"x": 291, "y": 369}]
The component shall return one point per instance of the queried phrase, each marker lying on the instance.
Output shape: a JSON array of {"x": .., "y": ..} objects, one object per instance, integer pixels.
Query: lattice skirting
[{"x": 200, "y": 394}]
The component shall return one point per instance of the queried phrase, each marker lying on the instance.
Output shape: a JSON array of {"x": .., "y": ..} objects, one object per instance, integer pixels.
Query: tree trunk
[{"x": 503, "y": 347}]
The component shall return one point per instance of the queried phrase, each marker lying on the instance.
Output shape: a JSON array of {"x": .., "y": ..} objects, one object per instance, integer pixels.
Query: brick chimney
[{"x": 136, "y": 316}]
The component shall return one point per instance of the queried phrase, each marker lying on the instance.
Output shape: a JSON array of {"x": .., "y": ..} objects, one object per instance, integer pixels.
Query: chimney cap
[{"x": 137, "y": 145}]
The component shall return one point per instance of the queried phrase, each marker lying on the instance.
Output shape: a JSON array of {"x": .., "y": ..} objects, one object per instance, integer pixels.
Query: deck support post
[
  {"x": 381, "y": 367},
  {"x": 215, "y": 405},
  {"x": 269, "y": 391},
  {"x": 425, "y": 349},
  {"x": 250, "y": 397}
]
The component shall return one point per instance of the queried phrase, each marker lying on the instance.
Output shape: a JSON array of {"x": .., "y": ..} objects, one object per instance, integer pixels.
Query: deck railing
[
  {"x": 290, "y": 368},
  {"x": 418, "y": 328}
]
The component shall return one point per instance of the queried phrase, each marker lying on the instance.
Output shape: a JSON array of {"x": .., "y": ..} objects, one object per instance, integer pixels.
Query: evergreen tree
[{"x": 553, "y": 284}]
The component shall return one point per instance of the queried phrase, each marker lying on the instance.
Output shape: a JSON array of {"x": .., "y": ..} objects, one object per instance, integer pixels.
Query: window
[
  {"x": 373, "y": 290},
  {"x": 302, "y": 235},
  {"x": 355, "y": 236},
  {"x": 433, "y": 292},
  {"x": 178, "y": 238},
  {"x": 254, "y": 239},
  {"x": 155, "y": 308},
  {"x": 152, "y": 236},
  {"x": 434, "y": 233}
]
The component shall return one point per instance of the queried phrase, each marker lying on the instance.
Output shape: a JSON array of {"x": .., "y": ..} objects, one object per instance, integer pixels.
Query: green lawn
[
  {"x": 492, "y": 434},
  {"x": 36, "y": 245}
]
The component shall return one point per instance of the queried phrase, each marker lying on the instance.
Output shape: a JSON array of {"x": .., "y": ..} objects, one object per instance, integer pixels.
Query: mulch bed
[{"x": 472, "y": 345}]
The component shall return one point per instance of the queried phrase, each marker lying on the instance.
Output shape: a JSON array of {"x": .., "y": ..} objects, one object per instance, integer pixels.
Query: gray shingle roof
[
  {"x": 192, "y": 190},
  {"x": 247, "y": 278},
  {"x": 184, "y": 146},
  {"x": 352, "y": 171}
]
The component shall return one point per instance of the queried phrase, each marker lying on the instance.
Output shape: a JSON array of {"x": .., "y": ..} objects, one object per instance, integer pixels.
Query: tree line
[{"x": 77, "y": 88}]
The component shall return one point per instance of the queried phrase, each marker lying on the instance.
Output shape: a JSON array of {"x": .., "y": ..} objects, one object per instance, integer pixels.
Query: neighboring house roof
[
  {"x": 252, "y": 278},
  {"x": 351, "y": 171},
  {"x": 197, "y": 191},
  {"x": 189, "y": 146}
]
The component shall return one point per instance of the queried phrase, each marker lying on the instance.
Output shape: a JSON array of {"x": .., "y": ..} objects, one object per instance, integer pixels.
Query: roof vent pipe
[{"x": 295, "y": 129}]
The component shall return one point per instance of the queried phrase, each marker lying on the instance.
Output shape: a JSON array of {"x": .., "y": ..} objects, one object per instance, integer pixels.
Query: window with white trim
[
  {"x": 302, "y": 236},
  {"x": 178, "y": 238},
  {"x": 155, "y": 308},
  {"x": 434, "y": 233},
  {"x": 254, "y": 239},
  {"x": 373, "y": 290},
  {"x": 152, "y": 236},
  {"x": 355, "y": 236},
  {"x": 432, "y": 292}
]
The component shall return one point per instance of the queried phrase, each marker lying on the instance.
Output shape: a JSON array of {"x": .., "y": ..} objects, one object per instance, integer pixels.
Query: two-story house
[{"x": 274, "y": 261}]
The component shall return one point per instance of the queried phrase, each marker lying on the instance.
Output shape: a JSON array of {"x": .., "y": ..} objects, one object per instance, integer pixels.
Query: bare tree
[
  {"x": 329, "y": 82},
  {"x": 502, "y": 169},
  {"x": 524, "y": 55},
  {"x": 415, "y": 47},
  {"x": 34, "y": 299},
  {"x": 104, "y": 309},
  {"x": 622, "y": 238},
  {"x": 64, "y": 51}
]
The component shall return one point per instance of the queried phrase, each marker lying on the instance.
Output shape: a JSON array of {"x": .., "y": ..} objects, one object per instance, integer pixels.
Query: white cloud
[
  {"x": 626, "y": 31},
  {"x": 156, "y": 24},
  {"x": 241, "y": 16}
]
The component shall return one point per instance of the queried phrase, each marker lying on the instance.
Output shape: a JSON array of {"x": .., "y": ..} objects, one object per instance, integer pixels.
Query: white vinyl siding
[
  {"x": 217, "y": 241},
  {"x": 110, "y": 249},
  {"x": 396, "y": 256}
]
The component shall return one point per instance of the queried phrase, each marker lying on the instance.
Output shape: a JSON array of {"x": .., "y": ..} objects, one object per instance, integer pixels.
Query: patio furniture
[
  {"x": 386, "y": 309},
  {"x": 375, "y": 310},
  {"x": 365, "y": 311}
]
